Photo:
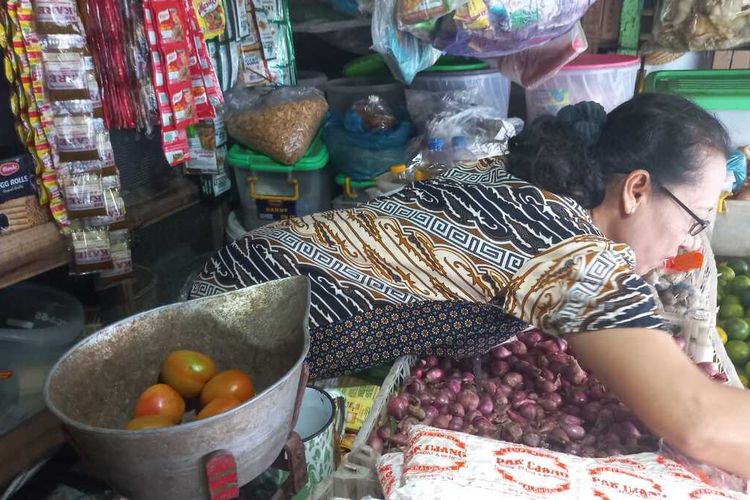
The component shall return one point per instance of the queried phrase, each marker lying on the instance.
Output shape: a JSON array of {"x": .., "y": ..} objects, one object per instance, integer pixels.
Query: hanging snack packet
[
  {"x": 91, "y": 249},
  {"x": 114, "y": 204},
  {"x": 17, "y": 178},
  {"x": 76, "y": 138},
  {"x": 57, "y": 16},
  {"x": 211, "y": 17},
  {"x": 122, "y": 260},
  {"x": 170, "y": 23},
  {"x": 84, "y": 194}
]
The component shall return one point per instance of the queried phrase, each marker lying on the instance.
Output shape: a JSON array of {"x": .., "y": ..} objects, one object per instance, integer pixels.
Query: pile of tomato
[{"x": 190, "y": 376}]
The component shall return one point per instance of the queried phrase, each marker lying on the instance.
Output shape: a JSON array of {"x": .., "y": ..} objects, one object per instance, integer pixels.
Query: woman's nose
[{"x": 691, "y": 243}]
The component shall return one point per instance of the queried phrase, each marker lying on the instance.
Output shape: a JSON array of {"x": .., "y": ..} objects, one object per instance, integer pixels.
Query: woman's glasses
[{"x": 699, "y": 225}]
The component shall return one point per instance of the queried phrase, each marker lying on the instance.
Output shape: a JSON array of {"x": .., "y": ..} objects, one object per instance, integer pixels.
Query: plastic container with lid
[
  {"x": 38, "y": 324},
  {"x": 270, "y": 191},
  {"x": 354, "y": 192},
  {"x": 723, "y": 92},
  {"x": 344, "y": 92},
  {"x": 608, "y": 79},
  {"x": 315, "y": 79},
  {"x": 493, "y": 89}
]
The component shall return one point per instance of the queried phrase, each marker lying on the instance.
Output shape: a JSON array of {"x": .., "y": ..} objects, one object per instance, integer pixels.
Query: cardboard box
[
  {"x": 741, "y": 59},
  {"x": 722, "y": 59}
]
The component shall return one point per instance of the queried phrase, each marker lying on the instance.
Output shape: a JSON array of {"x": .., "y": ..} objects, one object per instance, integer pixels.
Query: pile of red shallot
[{"x": 530, "y": 390}]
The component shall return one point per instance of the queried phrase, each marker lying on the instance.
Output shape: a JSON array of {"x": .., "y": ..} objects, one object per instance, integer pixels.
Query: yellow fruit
[{"x": 722, "y": 334}]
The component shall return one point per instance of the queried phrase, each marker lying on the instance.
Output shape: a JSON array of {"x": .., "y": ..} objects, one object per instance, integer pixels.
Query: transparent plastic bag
[
  {"x": 707, "y": 473},
  {"x": 534, "y": 65},
  {"x": 687, "y": 25},
  {"x": 423, "y": 105},
  {"x": 462, "y": 113},
  {"x": 363, "y": 154},
  {"x": 492, "y": 28},
  {"x": 374, "y": 113},
  {"x": 405, "y": 54},
  {"x": 352, "y": 8},
  {"x": 279, "y": 122}
]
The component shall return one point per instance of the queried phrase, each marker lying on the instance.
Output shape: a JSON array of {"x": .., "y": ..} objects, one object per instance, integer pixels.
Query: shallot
[{"x": 397, "y": 407}]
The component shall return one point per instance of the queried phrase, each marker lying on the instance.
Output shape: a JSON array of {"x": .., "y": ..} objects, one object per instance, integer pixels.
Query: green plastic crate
[{"x": 711, "y": 89}]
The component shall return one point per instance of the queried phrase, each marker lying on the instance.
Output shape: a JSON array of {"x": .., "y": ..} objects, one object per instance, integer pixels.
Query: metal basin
[{"x": 93, "y": 388}]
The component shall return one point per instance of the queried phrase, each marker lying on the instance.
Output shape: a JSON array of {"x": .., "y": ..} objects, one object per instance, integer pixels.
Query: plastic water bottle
[
  {"x": 460, "y": 151},
  {"x": 393, "y": 180},
  {"x": 435, "y": 160}
]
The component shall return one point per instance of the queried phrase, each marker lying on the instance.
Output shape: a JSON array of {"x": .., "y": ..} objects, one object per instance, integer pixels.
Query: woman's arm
[{"x": 670, "y": 395}]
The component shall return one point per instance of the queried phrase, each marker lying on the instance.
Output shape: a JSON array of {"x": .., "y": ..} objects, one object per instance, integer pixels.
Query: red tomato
[
  {"x": 187, "y": 372},
  {"x": 161, "y": 399},
  {"x": 218, "y": 405},
  {"x": 149, "y": 422},
  {"x": 228, "y": 384}
]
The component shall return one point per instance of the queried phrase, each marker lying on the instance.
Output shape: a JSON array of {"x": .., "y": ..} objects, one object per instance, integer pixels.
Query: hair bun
[{"x": 584, "y": 119}]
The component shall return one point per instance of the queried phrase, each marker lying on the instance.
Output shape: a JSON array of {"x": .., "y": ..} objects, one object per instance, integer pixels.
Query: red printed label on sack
[
  {"x": 714, "y": 494},
  {"x": 443, "y": 453},
  {"x": 675, "y": 469},
  {"x": 613, "y": 482},
  {"x": 387, "y": 479},
  {"x": 533, "y": 470}
]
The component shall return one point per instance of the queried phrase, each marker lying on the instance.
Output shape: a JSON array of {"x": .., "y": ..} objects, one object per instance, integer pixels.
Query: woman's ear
[{"x": 635, "y": 190}]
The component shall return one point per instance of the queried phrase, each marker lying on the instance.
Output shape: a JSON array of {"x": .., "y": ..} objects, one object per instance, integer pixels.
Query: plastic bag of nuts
[{"x": 279, "y": 122}]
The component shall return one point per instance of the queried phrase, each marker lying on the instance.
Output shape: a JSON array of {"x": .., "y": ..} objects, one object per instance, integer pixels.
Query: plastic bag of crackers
[{"x": 442, "y": 464}]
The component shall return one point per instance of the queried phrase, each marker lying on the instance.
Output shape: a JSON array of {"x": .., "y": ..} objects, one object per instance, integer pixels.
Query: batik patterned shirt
[{"x": 474, "y": 235}]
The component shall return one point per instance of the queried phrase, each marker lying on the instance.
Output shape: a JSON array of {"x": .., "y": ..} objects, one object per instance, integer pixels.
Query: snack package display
[
  {"x": 17, "y": 178},
  {"x": 29, "y": 103},
  {"x": 208, "y": 147},
  {"x": 122, "y": 260},
  {"x": 444, "y": 464},
  {"x": 91, "y": 249},
  {"x": 279, "y": 122},
  {"x": 211, "y": 17},
  {"x": 405, "y": 54},
  {"x": 491, "y": 28},
  {"x": 701, "y": 25}
]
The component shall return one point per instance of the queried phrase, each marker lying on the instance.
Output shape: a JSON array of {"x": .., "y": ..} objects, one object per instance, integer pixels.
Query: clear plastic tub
[
  {"x": 492, "y": 85},
  {"x": 315, "y": 79},
  {"x": 38, "y": 325},
  {"x": 737, "y": 123},
  {"x": 344, "y": 92},
  {"x": 608, "y": 79}
]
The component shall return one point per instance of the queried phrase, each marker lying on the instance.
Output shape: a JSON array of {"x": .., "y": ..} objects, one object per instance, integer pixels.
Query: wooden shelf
[{"x": 28, "y": 253}]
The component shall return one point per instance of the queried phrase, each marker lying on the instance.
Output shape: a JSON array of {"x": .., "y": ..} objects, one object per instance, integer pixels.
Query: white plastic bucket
[{"x": 608, "y": 79}]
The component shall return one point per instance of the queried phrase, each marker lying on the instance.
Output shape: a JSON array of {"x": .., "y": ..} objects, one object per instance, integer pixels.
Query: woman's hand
[{"x": 670, "y": 395}]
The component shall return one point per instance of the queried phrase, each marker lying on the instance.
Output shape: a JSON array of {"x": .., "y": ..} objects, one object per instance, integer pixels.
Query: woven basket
[{"x": 661, "y": 57}]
